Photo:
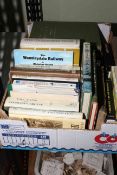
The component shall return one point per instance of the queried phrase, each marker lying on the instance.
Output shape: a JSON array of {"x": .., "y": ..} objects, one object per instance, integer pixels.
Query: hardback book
[
  {"x": 111, "y": 112},
  {"x": 109, "y": 98},
  {"x": 87, "y": 31},
  {"x": 68, "y": 73},
  {"x": 45, "y": 74},
  {"x": 39, "y": 58},
  {"x": 56, "y": 69},
  {"x": 43, "y": 78},
  {"x": 53, "y": 45}
]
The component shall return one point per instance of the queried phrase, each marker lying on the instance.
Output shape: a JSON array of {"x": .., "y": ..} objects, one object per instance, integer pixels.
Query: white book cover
[
  {"x": 49, "y": 43},
  {"x": 46, "y": 97},
  {"x": 60, "y": 79},
  {"x": 38, "y": 104},
  {"x": 45, "y": 90},
  {"x": 44, "y": 84},
  {"x": 49, "y": 113}
]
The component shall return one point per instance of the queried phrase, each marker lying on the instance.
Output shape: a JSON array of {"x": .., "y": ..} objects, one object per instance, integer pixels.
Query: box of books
[
  {"x": 73, "y": 163},
  {"x": 56, "y": 106},
  {"x": 23, "y": 133}
]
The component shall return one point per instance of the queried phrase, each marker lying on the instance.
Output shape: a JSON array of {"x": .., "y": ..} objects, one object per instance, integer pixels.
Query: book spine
[
  {"x": 46, "y": 90},
  {"x": 86, "y": 61},
  {"x": 41, "y": 78},
  {"x": 51, "y": 43},
  {"x": 66, "y": 114},
  {"x": 45, "y": 84},
  {"x": 86, "y": 104},
  {"x": 110, "y": 100},
  {"x": 92, "y": 115},
  {"x": 64, "y": 99},
  {"x": 36, "y": 104},
  {"x": 47, "y": 73}
]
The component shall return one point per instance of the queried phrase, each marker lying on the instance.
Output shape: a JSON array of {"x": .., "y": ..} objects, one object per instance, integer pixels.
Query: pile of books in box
[
  {"x": 44, "y": 87},
  {"x": 61, "y": 163},
  {"x": 51, "y": 85}
]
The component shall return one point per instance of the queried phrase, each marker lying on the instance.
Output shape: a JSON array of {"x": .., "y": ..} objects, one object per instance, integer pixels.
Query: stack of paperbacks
[{"x": 45, "y": 86}]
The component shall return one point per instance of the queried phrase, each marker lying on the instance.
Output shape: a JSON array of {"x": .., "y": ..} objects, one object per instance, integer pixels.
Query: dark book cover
[
  {"x": 110, "y": 99},
  {"x": 87, "y": 31}
]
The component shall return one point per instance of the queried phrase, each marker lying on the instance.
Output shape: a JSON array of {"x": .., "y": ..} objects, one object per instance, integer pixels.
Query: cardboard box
[{"x": 16, "y": 134}]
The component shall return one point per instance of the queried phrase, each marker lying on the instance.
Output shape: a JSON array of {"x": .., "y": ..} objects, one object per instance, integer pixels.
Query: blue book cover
[
  {"x": 87, "y": 86},
  {"x": 37, "y": 58}
]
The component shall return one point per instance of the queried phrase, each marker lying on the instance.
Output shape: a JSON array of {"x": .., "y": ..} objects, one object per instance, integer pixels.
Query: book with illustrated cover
[{"x": 51, "y": 122}]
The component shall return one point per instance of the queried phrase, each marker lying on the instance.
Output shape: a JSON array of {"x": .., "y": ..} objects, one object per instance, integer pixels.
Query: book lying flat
[
  {"x": 34, "y": 88},
  {"x": 35, "y": 103},
  {"x": 51, "y": 122},
  {"x": 53, "y": 45},
  {"x": 47, "y": 84},
  {"x": 68, "y": 73},
  {"x": 87, "y": 31},
  {"x": 64, "y": 99},
  {"x": 47, "y": 113},
  {"x": 37, "y": 58},
  {"x": 43, "y": 78}
]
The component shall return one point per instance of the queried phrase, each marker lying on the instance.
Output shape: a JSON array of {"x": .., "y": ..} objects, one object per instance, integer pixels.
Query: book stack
[{"x": 45, "y": 85}]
